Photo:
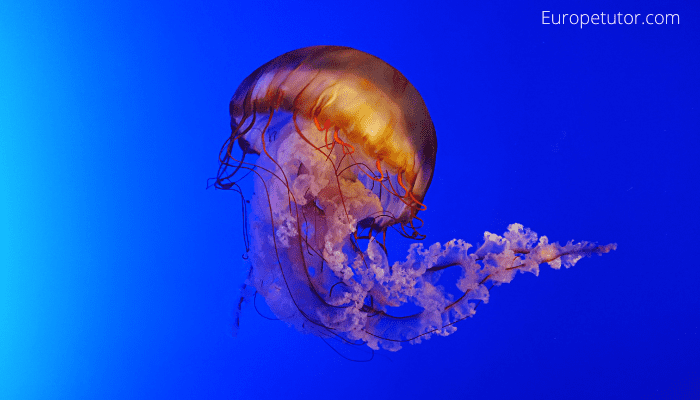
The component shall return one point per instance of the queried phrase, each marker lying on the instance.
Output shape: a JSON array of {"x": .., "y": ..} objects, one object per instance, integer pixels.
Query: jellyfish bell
[
  {"x": 337, "y": 96},
  {"x": 342, "y": 148}
]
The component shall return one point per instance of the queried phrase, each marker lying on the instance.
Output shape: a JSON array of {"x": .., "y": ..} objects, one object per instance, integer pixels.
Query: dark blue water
[{"x": 119, "y": 272}]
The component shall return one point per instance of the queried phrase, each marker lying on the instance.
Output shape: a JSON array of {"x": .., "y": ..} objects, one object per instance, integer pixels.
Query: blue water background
[{"x": 119, "y": 272}]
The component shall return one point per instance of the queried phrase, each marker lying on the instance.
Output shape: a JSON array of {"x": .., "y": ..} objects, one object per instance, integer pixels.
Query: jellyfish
[{"x": 341, "y": 150}]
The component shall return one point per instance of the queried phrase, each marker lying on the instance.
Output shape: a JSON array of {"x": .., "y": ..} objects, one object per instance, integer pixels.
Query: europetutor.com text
[{"x": 549, "y": 18}]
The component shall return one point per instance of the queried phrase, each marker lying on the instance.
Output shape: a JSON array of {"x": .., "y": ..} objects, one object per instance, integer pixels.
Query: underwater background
[{"x": 120, "y": 272}]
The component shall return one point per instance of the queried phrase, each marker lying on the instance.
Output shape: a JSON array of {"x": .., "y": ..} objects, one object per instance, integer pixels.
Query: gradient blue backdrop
[{"x": 119, "y": 272}]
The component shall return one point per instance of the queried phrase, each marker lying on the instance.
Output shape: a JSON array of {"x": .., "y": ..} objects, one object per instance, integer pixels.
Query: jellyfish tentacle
[
  {"x": 283, "y": 179},
  {"x": 276, "y": 250},
  {"x": 347, "y": 147},
  {"x": 579, "y": 250}
]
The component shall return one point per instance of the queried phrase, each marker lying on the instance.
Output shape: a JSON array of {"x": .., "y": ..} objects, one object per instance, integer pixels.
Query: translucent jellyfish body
[{"x": 342, "y": 149}]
